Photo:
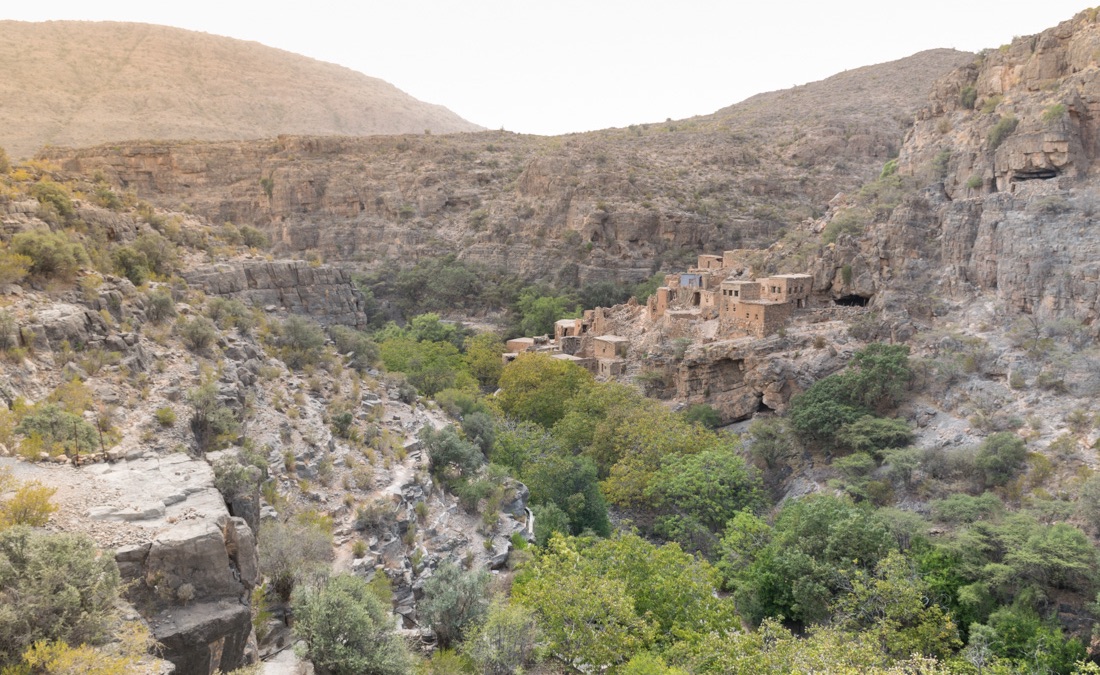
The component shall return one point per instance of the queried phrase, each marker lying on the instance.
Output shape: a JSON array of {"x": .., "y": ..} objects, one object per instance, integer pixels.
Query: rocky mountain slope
[
  {"x": 81, "y": 83},
  {"x": 1000, "y": 203},
  {"x": 614, "y": 203}
]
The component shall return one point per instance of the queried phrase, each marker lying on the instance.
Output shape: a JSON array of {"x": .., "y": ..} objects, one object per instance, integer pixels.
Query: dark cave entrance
[
  {"x": 1035, "y": 174},
  {"x": 852, "y": 300},
  {"x": 762, "y": 407}
]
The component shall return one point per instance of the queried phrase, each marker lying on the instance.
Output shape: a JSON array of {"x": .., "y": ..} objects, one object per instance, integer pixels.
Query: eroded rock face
[
  {"x": 322, "y": 292},
  {"x": 606, "y": 204}
]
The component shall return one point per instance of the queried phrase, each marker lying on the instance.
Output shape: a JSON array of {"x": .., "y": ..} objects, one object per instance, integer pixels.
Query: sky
[{"x": 560, "y": 66}]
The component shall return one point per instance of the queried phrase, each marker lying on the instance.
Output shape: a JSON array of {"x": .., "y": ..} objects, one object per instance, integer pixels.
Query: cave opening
[
  {"x": 1035, "y": 174},
  {"x": 853, "y": 300},
  {"x": 762, "y": 407}
]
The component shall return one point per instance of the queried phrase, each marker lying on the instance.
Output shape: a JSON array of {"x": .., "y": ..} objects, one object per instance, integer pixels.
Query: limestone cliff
[
  {"x": 614, "y": 203},
  {"x": 1007, "y": 148}
]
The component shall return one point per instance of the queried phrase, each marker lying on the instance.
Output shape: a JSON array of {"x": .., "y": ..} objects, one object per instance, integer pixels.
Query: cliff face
[
  {"x": 322, "y": 292},
  {"x": 615, "y": 203},
  {"x": 1008, "y": 146}
]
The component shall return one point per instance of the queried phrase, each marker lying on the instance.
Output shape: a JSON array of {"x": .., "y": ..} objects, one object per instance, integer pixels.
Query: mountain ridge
[{"x": 84, "y": 83}]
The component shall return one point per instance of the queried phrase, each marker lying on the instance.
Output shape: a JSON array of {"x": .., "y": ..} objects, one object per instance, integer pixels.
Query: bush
[
  {"x": 347, "y": 630},
  {"x": 212, "y": 422},
  {"x": 131, "y": 264},
  {"x": 52, "y": 254},
  {"x": 159, "y": 306},
  {"x": 454, "y": 602},
  {"x": 52, "y": 194},
  {"x": 54, "y": 587},
  {"x": 446, "y": 449},
  {"x": 1000, "y": 457},
  {"x": 704, "y": 415},
  {"x": 1001, "y": 130},
  {"x": 289, "y": 551},
  {"x": 505, "y": 643},
  {"x": 58, "y": 430},
  {"x": 1054, "y": 113},
  {"x": 13, "y": 266},
  {"x": 363, "y": 350},
  {"x": 199, "y": 333},
  {"x": 968, "y": 97},
  {"x": 30, "y": 505},
  {"x": 236, "y": 480},
  {"x": 300, "y": 341}
]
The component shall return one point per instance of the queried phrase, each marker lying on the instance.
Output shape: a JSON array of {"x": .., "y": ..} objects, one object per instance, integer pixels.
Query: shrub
[
  {"x": 704, "y": 415},
  {"x": 454, "y": 601},
  {"x": 212, "y": 422},
  {"x": 849, "y": 221},
  {"x": 55, "y": 587},
  {"x": 131, "y": 264},
  {"x": 347, "y": 630},
  {"x": 161, "y": 255},
  {"x": 1001, "y": 130},
  {"x": 13, "y": 266},
  {"x": 236, "y": 480},
  {"x": 198, "y": 333},
  {"x": 58, "y": 430},
  {"x": 9, "y": 335},
  {"x": 968, "y": 97},
  {"x": 363, "y": 350},
  {"x": 941, "y": 164},
  {"x": 1054, "y": 113},
  {"x": 1000, "y": 457},
  {"x": 52, "y": 254},
  {"x": 52, "y": 194},
  {"x": 159, "y": 306},
  {"x": 5, "y": 163},
  {"x": 974, "y": 182},
  {"x": 289, "y": 551},
  {"x": 30, "y": 505},
  {"x": 253, "y": 238},
  {"x": 446, "y": 449},
  {"x": 300, "y": 341}
]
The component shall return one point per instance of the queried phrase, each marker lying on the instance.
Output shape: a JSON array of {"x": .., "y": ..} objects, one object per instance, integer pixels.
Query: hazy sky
[{"x": 558, "y": 66}]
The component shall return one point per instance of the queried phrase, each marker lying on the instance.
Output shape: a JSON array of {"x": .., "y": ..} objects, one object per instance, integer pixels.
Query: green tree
[
  {"x": 447, "y": 450},
  {"x": 58, "y": 430},
  {"x": 587, "y": 619},
  {"x": 703, "y": 414},
  {"x": 874, "y": 434},
  {"x": 891, "y": 605},
  {"x": 816, "y": 543},
  {"x": 483, "y": 358},
  {"x": 505, "y": 643},
  {"x": 430, "y": 366},
  {"x": 570, "y": 484},
  {"x": 538, "y": 388},
  {"x": 538, "y": 310},
  {"x": 347, "y": 631},
  {"x": 454, "y": 602}
]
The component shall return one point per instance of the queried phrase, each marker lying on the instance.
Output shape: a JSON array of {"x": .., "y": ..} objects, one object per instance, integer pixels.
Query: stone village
[{"x": 715, "y": 306}]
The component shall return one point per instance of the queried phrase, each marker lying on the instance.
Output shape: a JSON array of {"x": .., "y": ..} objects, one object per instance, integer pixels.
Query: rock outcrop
[
  {"x": 322, "y": 292},
  {"x": 1008, "y": 146},
  {"x": 189, "y": 564}
]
